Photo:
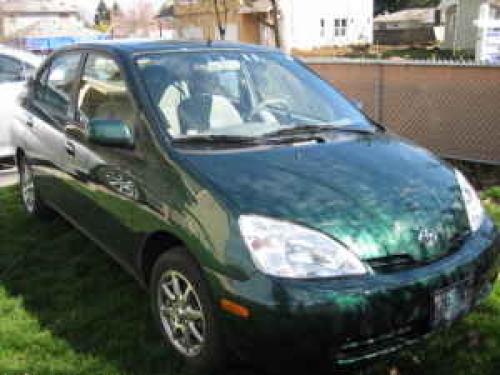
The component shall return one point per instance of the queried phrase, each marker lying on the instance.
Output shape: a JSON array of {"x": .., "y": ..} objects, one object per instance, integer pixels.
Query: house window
[
  {"x": 340, "y": 28},
  {"x": 322, "y": 31},
  {"x": 495, "y": 12}
]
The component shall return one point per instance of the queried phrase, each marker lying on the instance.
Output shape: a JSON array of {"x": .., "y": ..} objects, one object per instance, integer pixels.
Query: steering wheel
[{"x": 268, "y": 102}]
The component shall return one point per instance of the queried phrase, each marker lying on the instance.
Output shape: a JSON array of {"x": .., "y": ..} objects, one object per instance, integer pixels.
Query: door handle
[{"x": 70, "y": 148}]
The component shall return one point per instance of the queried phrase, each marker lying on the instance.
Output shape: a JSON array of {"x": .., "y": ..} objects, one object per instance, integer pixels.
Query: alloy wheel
[{"x": 181, "y": 313}]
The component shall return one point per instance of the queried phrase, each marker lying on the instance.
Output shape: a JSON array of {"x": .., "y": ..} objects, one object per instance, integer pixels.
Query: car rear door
[{"x": 48, "y": 109}]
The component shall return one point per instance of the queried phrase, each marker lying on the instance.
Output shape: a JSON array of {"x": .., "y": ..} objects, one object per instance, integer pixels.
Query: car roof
[
  {"x": 21, "y": 55},
  {"x": 141, "y": 46}
]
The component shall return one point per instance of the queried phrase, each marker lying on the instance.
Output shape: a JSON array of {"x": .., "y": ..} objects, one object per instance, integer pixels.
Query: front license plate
[{"x": 451, "y": 303}]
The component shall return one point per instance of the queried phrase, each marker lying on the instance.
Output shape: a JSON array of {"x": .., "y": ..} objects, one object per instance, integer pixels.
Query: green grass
[{"x": 66, "y": 308}]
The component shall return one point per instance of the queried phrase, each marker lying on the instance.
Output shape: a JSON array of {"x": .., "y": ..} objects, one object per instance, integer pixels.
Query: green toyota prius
[{"x": 270, "y": 219}]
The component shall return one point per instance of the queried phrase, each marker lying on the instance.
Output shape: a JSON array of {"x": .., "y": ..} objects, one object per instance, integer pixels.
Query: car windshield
[{"x": 222, "y": 93}]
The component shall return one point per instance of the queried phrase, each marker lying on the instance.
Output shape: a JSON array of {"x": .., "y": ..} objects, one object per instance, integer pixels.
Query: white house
[
  {"x": 20, "y": 16},
  {"x": 305, "y": 24},
  {"x": 464, "y": 21},
  {"x": 310, "y": 24}
]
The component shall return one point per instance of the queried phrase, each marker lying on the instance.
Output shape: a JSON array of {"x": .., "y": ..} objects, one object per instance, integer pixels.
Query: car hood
[{"x": 383, "y": 197}]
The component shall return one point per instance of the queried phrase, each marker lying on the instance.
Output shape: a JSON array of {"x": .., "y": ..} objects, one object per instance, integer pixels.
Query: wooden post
[{"x": 276, "y": 25}]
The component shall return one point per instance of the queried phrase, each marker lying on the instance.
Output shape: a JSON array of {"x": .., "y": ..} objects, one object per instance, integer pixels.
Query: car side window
[
  {"x": 103, "y": 93},
  {"x": 55, "y": 87},
  {"x": 11, "y": 70}
]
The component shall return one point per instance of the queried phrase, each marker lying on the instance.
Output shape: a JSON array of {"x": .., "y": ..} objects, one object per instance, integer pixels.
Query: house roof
[
  {"x": 38, "y": 6},
  {"x": 422, "y": 15}
]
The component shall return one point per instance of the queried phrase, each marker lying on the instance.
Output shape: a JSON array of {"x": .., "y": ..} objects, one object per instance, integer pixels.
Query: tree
[
  {"x": 221, "y": 10},
  {"x": 102, "y": 14},
  {"x": 116, "y": 10},
  {"x": 137, "y": 21},
  {"x": 220, "y": 23}
]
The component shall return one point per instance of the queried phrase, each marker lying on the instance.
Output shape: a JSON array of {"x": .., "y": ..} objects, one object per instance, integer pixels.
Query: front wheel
[
  {"x": 30, "y": 197},
  {"x": 185, "y": 313}
]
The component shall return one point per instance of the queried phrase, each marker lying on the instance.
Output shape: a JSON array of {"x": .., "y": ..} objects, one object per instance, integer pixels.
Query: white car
[{"x": 15, "y": 68}]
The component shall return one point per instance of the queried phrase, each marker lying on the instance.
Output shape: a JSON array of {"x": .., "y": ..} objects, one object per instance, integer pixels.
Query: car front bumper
[{"x": 354, "y": 319}]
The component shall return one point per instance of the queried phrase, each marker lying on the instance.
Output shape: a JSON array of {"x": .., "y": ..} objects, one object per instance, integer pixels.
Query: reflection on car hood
[{"x": 379, "y": 195}]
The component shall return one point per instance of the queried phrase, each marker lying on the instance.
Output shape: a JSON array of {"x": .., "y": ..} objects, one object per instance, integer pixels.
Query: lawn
[{"x": 66, "y": 308}]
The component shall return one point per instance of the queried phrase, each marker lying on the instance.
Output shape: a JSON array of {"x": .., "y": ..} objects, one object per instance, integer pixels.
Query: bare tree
[
  {"x": 221, "y": 24},
  {"x": 276, "y": 25},
  {"x": 136, "y": 21}
]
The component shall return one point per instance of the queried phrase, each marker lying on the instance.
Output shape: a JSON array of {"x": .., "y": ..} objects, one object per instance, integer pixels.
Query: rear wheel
[
  {"x": 185, "y": 313},
  {"x": 31, "y": 200}
]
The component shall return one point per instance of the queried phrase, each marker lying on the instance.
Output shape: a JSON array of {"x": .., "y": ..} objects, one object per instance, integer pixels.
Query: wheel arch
[{"x": 153, "y": 246}]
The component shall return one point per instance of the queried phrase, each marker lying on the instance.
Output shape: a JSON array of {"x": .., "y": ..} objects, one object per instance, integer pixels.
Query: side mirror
[{"x": 112, "y": 133}]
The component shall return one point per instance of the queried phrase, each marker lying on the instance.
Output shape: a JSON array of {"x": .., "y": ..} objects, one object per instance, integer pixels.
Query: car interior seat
[
  {"x": 167, "y": 92},
  {"x": 202, "y": 112}
]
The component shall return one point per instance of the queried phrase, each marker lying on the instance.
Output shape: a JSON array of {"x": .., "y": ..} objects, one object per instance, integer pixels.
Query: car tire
[
  {"x": 30, "y": 197},
  {"x": 208, "y": 355}
]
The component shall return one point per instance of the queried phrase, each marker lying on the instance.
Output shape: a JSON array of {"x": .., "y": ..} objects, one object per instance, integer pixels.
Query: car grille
[{"x": 402, "y": 262}]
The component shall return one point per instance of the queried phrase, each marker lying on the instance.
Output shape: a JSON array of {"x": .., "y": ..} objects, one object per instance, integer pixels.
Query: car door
[
  {"x": 102, "y": 183},
  {"x": 47, "y": 110}
]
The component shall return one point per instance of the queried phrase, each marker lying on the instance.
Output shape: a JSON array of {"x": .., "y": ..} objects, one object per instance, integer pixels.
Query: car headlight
[
  {"x": 473, "y": 205},
  {"x": 288, "y": 250}
]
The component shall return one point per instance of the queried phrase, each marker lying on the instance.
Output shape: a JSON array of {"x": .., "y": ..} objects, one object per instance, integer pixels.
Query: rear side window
[
  {"x": 56, "y": 88},
  {"x": 103, "y": 93},
  {"x": 11, "y": 70}
]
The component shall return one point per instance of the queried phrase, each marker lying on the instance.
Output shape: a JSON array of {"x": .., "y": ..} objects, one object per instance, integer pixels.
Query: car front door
[
  {"x": 101, "y": 174},
  {"x": 48, "y": 108}
]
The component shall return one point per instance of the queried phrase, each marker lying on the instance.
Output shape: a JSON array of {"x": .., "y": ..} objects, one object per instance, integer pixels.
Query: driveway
[{"x": 8, "y": 177}]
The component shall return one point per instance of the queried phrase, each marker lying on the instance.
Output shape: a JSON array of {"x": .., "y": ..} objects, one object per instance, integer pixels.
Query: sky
[{"x": 88, "y": 7}]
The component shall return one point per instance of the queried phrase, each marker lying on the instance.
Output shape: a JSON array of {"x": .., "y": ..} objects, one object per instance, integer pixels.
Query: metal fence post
[{"x": 378, "y": 93}]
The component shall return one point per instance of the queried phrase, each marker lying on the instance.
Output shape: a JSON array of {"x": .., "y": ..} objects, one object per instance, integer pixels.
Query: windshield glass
[{"x": 242, "y": 94}]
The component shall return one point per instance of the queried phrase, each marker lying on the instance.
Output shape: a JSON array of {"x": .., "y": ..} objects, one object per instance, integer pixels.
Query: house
[
  {"x": 19, "y": 16},
  {"x": 408, "y": 26},
  {"x": 243, "y": 20},
  {"x": 43, "y": 25},
  {"x": 319, "y": 23},
  {"x": 465, "y": 20},
  {"x": 303, "y": 24}
]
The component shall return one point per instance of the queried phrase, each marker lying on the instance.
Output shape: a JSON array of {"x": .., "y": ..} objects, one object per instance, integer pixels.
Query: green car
[{"x": 270, "y": 219}]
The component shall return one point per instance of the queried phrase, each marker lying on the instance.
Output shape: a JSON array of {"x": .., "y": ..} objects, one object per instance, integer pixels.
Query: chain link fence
[{"x": 450, "y": 108}]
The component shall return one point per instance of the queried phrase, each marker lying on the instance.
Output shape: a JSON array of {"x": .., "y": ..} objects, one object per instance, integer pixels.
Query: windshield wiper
[
  {"x": 315, "y": 129},
  {"x": 228, "y": 139}
]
